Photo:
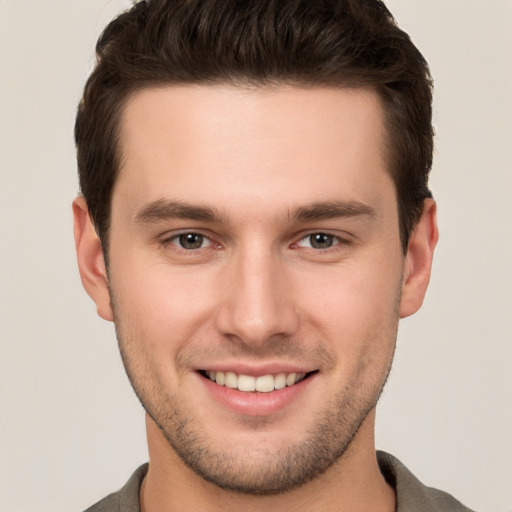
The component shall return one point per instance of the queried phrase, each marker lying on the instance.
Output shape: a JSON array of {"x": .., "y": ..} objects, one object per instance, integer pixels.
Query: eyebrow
[
  {"x": 161, "y": 210},
  {"x": 164, "y": 210},
  {"x": 332, "y": 210}
]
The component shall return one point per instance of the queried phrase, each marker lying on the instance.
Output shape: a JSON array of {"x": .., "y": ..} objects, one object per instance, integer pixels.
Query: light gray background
[{"x": 71, "y": 429}]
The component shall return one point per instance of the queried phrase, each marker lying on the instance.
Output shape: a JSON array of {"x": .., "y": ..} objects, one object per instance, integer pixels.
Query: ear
[
  {"x": 91, "y": 262},
  {"x": 418, "y": 260}
]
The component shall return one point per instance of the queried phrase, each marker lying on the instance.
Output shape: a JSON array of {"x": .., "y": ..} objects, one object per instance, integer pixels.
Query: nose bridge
[{"x": 256, "y": 305}]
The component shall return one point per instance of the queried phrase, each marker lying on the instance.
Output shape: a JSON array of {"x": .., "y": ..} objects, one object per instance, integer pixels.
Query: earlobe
[
  {"x": 91, "y": 262},
  {"x": 418, "y": 260}
]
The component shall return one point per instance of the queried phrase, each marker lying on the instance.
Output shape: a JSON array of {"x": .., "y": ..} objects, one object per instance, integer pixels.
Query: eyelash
[
  {"x": 336, "y": 241},
  {"x": 176, "y": 242}
]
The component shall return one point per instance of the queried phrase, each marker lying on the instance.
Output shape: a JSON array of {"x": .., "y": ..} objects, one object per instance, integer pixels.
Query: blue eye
[{"x": 191, "y": 241}]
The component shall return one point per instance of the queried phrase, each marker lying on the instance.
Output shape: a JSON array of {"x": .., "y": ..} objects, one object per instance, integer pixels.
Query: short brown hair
[{"x": 339, "y": 43}]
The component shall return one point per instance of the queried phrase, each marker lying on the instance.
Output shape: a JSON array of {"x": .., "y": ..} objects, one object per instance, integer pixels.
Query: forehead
[{"x": 270, "y": 145}]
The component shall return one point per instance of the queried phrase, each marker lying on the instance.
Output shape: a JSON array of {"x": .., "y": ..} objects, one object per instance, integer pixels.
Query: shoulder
[
  {"x": 411, "y": 493},
  {"x": 126, "y": 499}
]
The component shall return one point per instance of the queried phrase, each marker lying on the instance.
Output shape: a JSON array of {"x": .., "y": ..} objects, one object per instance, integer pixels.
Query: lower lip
[{"x": 256, "y": 403}]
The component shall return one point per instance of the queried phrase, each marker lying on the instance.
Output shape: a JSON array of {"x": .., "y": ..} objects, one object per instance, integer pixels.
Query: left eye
[
  {"x": 191, "y": 241},
  {"x": 319, "y": 241}
]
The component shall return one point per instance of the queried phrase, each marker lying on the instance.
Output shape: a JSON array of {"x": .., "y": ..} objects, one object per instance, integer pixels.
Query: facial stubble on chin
[{"x": 266, "y": 470}]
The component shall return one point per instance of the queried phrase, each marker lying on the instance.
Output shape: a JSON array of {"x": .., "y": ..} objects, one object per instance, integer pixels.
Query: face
[{"x": 255, "y": 275}]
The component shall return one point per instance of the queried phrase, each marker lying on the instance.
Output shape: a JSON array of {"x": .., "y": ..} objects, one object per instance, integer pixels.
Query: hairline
[{"x": 253, "y": 85}]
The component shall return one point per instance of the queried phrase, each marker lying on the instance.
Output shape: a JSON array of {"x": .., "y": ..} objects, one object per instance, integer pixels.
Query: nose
[{"x": 257, "y": 305}]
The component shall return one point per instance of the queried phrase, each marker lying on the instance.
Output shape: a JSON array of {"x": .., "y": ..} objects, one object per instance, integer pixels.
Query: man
[{"x": 256, "y": 219}]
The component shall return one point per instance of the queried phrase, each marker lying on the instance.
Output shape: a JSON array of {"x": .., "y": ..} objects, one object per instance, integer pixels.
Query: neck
[{"x": 353, "y": 483}]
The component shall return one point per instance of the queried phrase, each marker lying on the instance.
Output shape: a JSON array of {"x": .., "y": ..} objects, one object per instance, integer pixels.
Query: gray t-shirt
[{"x": 412, "y": 495}]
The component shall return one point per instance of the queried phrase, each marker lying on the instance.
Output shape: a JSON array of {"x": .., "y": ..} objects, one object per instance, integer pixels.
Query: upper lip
[{"x": 255, "y": 370}]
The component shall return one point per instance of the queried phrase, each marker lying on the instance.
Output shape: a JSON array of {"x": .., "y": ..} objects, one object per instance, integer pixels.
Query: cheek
[
  {"x": 357, "y": 318},
  {"x": 160, "y": 308},
  {"x": 354, "y": 308}
]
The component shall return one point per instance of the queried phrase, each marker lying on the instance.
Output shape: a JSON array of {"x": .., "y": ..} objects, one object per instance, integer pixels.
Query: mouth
[{"x": 251, "y": 384}]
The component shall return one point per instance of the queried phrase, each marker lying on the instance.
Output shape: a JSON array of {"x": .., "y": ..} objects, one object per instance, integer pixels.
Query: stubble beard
[{"x": 264, "y": 470}]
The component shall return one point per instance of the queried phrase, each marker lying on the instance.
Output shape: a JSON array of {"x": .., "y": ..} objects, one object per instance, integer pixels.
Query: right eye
[{"x": 190, "y": 241}]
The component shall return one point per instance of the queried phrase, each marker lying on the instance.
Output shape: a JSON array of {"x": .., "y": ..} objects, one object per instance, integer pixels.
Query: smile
[{"x": 249, "y": 383}]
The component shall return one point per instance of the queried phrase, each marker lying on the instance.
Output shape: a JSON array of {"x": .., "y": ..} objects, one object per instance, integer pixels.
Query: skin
[{"x": 255, "y": 173}]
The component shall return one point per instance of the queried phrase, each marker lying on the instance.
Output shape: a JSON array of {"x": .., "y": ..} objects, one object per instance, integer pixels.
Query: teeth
[
  {"x": 231, "y": 380},
  {"x": 280, "y": 381},
  {"x": 248, "y": 383},
  {"x": 291, "y": 379},
  {"x": 265, "y": 384}
]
